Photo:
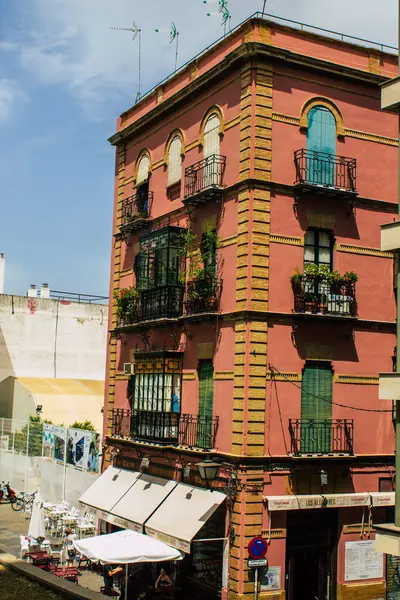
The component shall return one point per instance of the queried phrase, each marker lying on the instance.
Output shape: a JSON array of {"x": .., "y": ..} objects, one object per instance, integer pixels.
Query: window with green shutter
[
  {"x": 316, "y": 408},
  {"x": 206, "y": 401}
]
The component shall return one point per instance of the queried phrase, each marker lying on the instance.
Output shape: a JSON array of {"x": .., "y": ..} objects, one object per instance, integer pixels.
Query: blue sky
[{"x": 64, "y": 78}]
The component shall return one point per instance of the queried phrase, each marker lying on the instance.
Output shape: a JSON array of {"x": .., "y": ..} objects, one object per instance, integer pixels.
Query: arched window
[
  {"x": 143, "y": 170},
  {"x": 321, "y": 139},
  {"x": 211, "y": 135},
  {"x": 175, "y": 160}
]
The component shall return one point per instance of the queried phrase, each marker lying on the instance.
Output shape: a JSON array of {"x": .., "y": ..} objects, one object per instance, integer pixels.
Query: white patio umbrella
[
  {"x": 125, "y": 547},
  {"x": 36, "y": 524}
]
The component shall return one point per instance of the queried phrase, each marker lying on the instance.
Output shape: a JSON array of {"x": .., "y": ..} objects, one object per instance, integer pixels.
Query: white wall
[
  {"x": 51, "y": 338},
  {"x": 32, "y": 473}
]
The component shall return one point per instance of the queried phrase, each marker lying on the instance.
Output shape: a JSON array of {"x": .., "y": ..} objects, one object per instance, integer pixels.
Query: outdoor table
[
  {"x": 69, "y": 573},
  {"x": 38, "y": 554}
]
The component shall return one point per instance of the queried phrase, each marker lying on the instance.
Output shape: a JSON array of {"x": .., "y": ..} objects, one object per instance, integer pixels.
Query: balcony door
[
  {"x": 321, "y": 146},
  {"x": 211, "y": 149},
  {"x": 316, "y": 408},
  {"x": 206, "y": 402}
]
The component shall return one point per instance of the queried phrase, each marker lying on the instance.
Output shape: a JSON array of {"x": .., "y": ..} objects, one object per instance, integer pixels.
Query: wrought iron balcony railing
[
  {"x": 136, "y": 210},
  {"x": 162, "y": 302},
  {"x": 188, "y": 430},
  {"x": 323, "y": 298},
  {"x": 327, "y": 172},
  {"x": 328, "y": 436},
  {"x": 204, "y": 180},
  {"x": 202, "y": 295}
]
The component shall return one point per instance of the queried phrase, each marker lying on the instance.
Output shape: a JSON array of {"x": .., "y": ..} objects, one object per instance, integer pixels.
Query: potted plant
[
  {"x": 311, "y": 302},
  {"x": 350, "y": 277},
  {"x": 127, "y": 305},
  {"x": 311, "y": 272},
  {"x": 296, "y": 280}
]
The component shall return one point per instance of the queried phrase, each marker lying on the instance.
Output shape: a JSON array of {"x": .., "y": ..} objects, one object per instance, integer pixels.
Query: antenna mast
[{"x": 137, "y": 32}]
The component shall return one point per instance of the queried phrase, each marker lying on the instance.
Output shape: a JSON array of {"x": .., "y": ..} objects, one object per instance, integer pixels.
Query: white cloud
[
  {"x": 11, "y": 93},
  {"x": 68, "y": 42}
]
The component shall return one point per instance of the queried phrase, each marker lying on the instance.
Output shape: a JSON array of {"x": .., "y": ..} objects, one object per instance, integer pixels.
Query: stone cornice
[{"x": 247, "y": 51}]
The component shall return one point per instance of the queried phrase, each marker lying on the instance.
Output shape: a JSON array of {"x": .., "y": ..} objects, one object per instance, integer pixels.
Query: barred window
[
  {"x": 175, "y": 160},
  {"x": 156, "y": 385}
]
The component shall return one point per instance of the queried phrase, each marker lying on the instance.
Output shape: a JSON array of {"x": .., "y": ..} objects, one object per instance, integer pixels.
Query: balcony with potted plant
[{"x": 320, "y": 291}]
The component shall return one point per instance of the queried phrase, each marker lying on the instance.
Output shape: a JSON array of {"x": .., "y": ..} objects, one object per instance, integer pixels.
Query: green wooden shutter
[
  {"x": 316, "y": 408},
  {"x": 321, "y": 137},
  {"x": 206, "y": 401}
]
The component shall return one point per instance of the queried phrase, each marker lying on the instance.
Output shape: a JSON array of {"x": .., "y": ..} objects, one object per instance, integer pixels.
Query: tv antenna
[
  {"x": 223, "y": 10},
  {"x": 136, "y": 33},
  {"x": 263, "y": 10},
  {"x": 173, "y": 35}
]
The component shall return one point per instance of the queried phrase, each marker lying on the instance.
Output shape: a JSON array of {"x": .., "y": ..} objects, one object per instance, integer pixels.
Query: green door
[
  {"x": 316, "y": 409},
  {"x": 206, "y": 400}
]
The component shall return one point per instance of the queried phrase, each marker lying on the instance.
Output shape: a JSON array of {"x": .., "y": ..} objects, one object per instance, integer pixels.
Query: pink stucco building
[{"x": 254, "y": 310}]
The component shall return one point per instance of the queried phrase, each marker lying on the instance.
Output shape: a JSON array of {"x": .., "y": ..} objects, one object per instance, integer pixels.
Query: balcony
[
  {"x": 321, "y": 437},
  {"x": 325, "y": 174},
  {"x": 202, "y": 296},
  {"x": 321, "y": 298},
  {"x": 164, "y": 302},
  {"x": 204, "y": 180},
  {"x": 136, "y": 211},
  {"x": 192, "y": 431}
]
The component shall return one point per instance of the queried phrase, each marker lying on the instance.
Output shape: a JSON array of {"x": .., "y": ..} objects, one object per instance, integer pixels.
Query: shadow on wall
[
  {"x": 6, "y": 365},
  {"x": 325, "y": 342}
]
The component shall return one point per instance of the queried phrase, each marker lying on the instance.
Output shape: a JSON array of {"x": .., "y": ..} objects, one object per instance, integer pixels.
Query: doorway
[{"x": 311, "y": 554}]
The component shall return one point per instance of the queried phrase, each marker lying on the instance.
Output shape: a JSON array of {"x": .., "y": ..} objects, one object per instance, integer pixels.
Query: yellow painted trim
[
  {"x": 331, "y": 106},
  {"x": 358, "y": 379},
  {"x": 286, "y": 119},
  {"x": 363, "y": 250},
  {"x": 119, "y": 376},
  {"x": 228, "y": 241},
  {"x": 232, "y": 123},
  {"x": 372, "y": 137},
  {"x": 192, "y": 145},
  {"x": 354, "y": 133},
  {"x": 158, "y": 164},
  {"x": 286, "y": 239},
  {"x": 189, "y": 375},
  {"x": 223, "y": 375},
  {"x": 126, "y": 272},
  {"x": 285, "y": 377}
]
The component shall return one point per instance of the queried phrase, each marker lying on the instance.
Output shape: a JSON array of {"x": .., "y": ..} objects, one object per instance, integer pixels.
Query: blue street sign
[{"x": 257, "y": 547}]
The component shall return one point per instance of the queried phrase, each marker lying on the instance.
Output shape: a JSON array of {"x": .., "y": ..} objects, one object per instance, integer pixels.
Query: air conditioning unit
[{"x": 129, "y": 368}]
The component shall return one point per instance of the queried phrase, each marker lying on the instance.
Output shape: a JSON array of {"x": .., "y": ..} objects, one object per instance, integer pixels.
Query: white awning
[
  {"x": 182, "y": 514},
  {"x": 109, "y": 488},
  {"x": 141, "y": 500},
  {"x": 382, "y": 498},
  {"x": 290, "y": 502}
]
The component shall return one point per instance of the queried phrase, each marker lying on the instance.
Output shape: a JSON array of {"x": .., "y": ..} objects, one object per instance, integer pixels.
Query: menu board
[{"x": 362, "y": 561}]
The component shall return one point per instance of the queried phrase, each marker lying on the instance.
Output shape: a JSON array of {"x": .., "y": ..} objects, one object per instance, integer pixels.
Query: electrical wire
[{"x": 371, "y": 410}]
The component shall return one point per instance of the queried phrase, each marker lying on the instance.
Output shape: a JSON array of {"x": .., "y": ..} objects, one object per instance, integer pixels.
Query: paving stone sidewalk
[{"x": 13, "y": 524}]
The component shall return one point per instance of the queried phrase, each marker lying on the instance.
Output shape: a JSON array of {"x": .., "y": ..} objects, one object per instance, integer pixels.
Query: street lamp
[
  {"x": 208, "y": 470},
  {"x": 39, "y": 409}
]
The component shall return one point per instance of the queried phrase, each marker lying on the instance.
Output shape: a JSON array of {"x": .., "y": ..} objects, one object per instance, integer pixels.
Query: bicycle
[{"x": 23, "y": 501}]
